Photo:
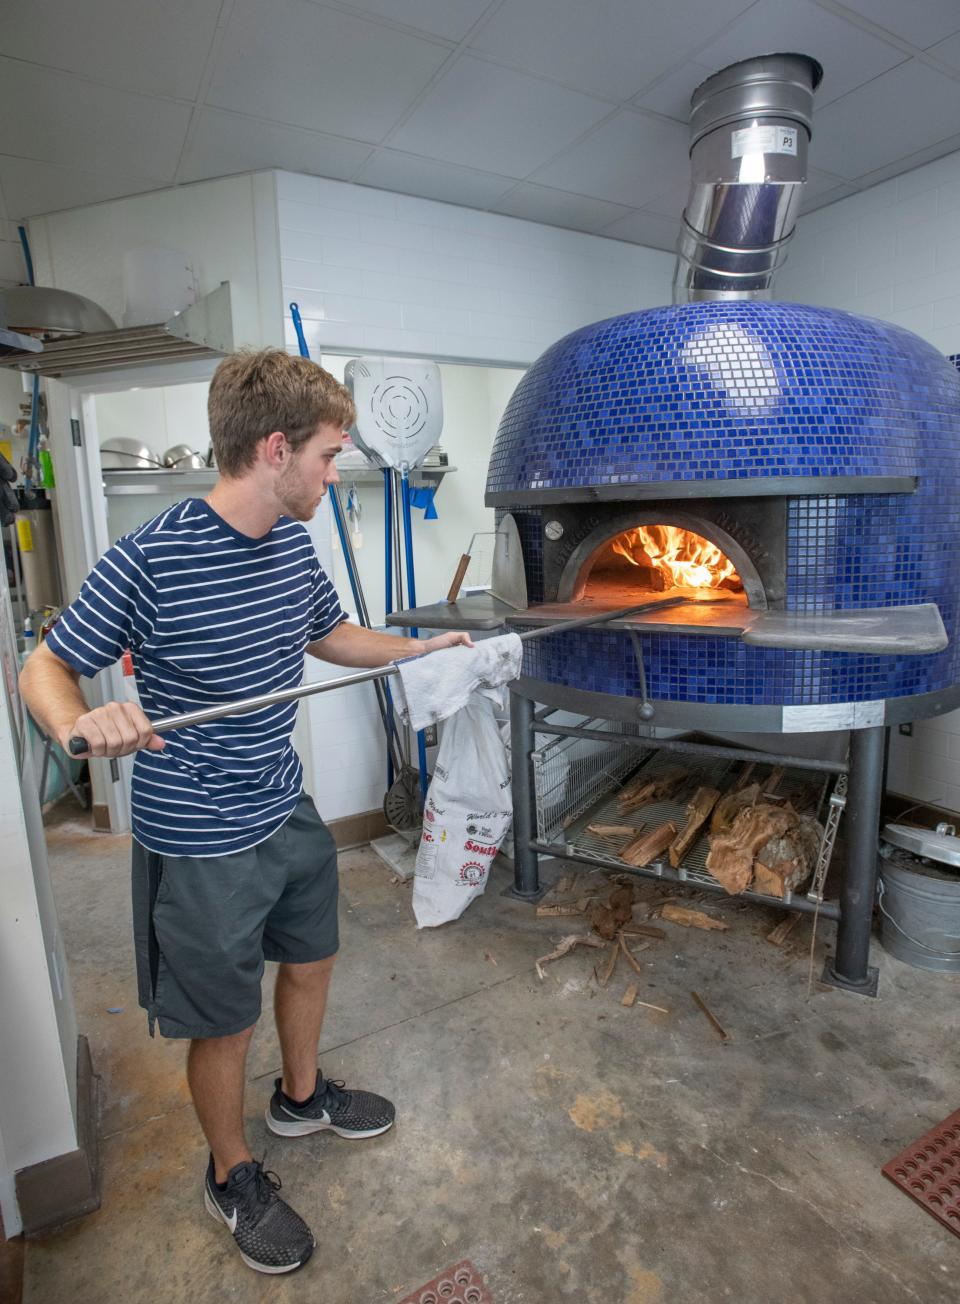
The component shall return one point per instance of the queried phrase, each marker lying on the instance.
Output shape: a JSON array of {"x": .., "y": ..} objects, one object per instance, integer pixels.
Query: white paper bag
[{"x": 467, "y": 815}]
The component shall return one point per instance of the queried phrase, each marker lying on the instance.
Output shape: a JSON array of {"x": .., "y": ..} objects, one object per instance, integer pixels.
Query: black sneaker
[
  {"x": 269, "y": 1235},
  {"x": 330, "y": 1108}
]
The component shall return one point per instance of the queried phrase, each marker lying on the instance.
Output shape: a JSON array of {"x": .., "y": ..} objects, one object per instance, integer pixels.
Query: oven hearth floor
[{"x": 577, "y": 836}]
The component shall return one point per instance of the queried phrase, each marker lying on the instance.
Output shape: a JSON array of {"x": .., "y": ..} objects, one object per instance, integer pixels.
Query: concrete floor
[{"x": 574, "y": 1149}]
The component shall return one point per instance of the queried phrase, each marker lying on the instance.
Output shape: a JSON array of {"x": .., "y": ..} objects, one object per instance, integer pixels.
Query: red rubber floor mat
[
  {"x": 929, "y": 1172},
  {"x": 461, "y": 1284}
]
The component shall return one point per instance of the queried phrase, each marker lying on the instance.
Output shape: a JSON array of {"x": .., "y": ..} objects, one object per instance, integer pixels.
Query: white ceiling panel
[
  {"x": 629, "y": 160},
  {"x": 609, "y": 47},
  {"x": 921, "y": 22},
  {"x": 821, "y": 186},
  {"x": 646, "y": 229},
  {"x": 451, "y": 19},
  {"x": 498, "y": 120},
  {"x": 671, "y": 94},
  {"x": 916, "y": 159},
  {"x": 292, "y": 61},
  {"x": 810, "y": 201},
  {"x": 57, "y": 118},
  {"x": 390, "y": 169},
  {"x": 30, "y": 188},
  {"x": 671, "y": 201},
  {"x": 558, "y": 208},
  {"x": 139, "y": 45},
  {"x": 850, "y": 56},
  {"x": 885, "y": 121},
  {"x": 948, "y": 51},
  {"x": 230, "y": 142}
]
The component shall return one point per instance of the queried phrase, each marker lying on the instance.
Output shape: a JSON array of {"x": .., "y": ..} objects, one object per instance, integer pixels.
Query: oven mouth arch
[{"x": 574, "y": 576}]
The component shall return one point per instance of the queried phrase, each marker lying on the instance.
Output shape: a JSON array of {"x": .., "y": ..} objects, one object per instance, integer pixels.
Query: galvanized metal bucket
[{"x": 920, "y": 913}]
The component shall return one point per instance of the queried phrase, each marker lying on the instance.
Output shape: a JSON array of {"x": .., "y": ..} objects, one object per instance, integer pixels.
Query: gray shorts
[{"x": 203, "y": 925}]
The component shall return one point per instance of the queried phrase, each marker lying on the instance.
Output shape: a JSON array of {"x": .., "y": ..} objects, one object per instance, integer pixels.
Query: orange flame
[{"x": 686, "y": 560}]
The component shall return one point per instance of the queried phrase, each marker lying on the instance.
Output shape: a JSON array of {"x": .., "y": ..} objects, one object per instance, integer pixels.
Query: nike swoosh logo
[
  {"x": 324, "y": 1116},
  {"x": 232, "y": 1221}
]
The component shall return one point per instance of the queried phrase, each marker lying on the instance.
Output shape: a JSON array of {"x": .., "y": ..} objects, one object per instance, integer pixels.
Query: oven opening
[{"x": 659, "y": 559}]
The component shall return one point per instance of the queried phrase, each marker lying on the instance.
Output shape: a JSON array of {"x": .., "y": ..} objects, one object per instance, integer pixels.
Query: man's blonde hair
[{"x": 253, "y": 394}]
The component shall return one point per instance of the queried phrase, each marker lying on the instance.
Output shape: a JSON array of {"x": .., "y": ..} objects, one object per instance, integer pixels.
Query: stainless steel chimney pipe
[{"x": 750, "y": 127}]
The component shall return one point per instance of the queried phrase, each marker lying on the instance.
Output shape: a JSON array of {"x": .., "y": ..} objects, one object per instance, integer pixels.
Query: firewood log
[
  {"x": 648, "y": 846},
  {"x": 609, "y": 917},
  {"x": 730, "y": 805},
  {"x": 698, "y": 812},
  {"x": 638, "y": 793},
  {"x": 772, "y": 782},
  {"x": 786, "y": 862},
  {"x": 730, "y": 860}
]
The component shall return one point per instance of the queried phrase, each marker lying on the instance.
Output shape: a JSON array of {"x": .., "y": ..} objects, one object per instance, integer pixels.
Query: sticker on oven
[
  {"x": 833, "y": 715},
  {"x": 763, "y": 140}
]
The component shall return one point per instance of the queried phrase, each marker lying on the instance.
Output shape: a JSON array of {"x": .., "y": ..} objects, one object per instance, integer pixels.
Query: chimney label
[{"x": 763, "y": 140}]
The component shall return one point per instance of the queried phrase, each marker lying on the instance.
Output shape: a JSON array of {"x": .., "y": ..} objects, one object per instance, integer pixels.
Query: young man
[{"x": 218, "y": 599}]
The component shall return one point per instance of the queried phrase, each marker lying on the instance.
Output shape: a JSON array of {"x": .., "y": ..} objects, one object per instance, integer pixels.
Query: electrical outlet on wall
[{"x": 430, "y": 735}]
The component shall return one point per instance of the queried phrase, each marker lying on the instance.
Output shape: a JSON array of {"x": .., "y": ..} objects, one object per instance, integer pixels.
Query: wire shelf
[
  {"x": 574, "y": 835},
  {"x": 570, "y": 774}
]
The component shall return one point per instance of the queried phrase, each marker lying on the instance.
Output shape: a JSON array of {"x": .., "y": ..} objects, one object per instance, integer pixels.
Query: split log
[
  {"x": 564, "y": 946},
  {"x": 731, "y": 855},
  {"x": 549, "y": 909},
  {"x": 692, "y": 918},
  {"x": 629, "y": 956},
  {"x": 786, "y": 862},
  {"x": 648, "y": 846},
  {"x": 641, "y": 791},
  {"x": 715, "y": 1023},
  {"x": 643, "y": 930},
  {"x": 777, "y": 936},
  {"x": 610, "y": 916},
  {"x": 730, "y": 805},
  {"x": 630, "y": 995},
  {"x": 698, "y": 812},
  {"x": 604, "y": 977},
  {"x": 614, "y": 830},
  {"x": 773, "y": 781},
  {"x": 744, "y": 776}
]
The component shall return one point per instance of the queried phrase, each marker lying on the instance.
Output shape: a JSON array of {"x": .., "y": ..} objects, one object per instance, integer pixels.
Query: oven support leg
[
  {"x": 849, "y": 968},
  {"x": 526, "y": 863}
]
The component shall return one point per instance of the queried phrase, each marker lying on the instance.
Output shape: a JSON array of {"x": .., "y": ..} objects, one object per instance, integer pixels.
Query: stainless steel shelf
[
  {"x": 165, "y": 482},
  {"x": 424, "y": 475},
  {"x": 157, "y": 482}
]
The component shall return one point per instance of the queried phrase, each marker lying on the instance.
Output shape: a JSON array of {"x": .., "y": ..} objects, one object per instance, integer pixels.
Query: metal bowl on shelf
[
  {"x": 124, "y": 454},
  {"x": 181, "y": 457}
]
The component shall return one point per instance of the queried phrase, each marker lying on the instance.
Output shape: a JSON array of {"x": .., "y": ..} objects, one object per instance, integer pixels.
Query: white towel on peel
[{"x": 435, "y": 686}]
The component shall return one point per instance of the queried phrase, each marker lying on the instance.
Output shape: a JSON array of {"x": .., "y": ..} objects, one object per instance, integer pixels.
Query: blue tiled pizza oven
[{"x": 830, "y": 440}]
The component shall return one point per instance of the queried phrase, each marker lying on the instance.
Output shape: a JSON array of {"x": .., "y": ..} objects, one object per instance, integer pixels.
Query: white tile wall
[
  {"x": 390, "y": 273},
  {"x": 894, "y": 252},
  {"x": 387, "y": 273}
]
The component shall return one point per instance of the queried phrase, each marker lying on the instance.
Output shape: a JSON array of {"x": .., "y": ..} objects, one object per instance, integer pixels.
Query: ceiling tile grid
[
  {"x": 502, "y": 121},
  {"x": 552, "y": 111}
]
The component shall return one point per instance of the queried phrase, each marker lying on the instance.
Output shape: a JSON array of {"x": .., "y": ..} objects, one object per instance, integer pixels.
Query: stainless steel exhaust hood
[{"x": 51, "y": 314}]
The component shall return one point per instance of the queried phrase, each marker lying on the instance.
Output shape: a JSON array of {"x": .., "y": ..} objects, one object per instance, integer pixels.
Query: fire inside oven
[{"x": 661, "y": 560}]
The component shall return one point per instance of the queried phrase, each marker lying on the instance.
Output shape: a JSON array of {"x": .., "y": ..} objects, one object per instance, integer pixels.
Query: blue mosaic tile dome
[
  {"x": 720, "y": 391},
  {"x": 750, "y": 391}
]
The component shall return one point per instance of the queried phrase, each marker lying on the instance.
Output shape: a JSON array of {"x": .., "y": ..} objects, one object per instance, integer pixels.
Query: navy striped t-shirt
[{"x": 210, "y": 615}]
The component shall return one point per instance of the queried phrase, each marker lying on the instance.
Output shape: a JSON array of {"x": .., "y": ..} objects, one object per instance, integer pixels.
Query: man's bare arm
[
  {"x": 51, "y": 690},
  {"x": 353, "y": 645}
]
